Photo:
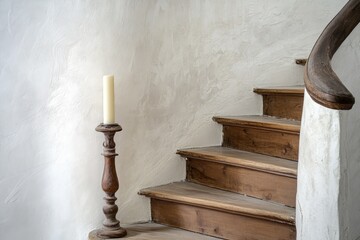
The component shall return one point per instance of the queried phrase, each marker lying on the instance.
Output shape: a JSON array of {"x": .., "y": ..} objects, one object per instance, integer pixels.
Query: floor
[{"x": 147, "y": 231}]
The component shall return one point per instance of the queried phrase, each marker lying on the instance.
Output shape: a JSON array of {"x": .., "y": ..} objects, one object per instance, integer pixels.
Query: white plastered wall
[
  {"x": 346, "y": 64},
  {"x": 176, "y": 64},
  {"x": 317, "y": 212}
]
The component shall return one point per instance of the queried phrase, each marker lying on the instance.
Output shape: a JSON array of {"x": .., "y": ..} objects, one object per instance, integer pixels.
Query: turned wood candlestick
[{"x": 110, "y": 184}]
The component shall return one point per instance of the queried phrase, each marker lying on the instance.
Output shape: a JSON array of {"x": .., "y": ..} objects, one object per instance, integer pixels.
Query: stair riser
[
  {"x": 283, "y": 106},
  {"x": 265, "y": 141},
  {"x": 218, "y": 224},
  {"x": 264, "y": 185}
]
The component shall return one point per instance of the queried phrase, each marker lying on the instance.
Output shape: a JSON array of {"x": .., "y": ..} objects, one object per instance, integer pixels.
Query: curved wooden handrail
[{"x": 321, "y": 82}]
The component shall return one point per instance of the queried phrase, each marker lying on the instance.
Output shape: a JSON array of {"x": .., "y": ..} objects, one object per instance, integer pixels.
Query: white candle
[{"x": 108, "y": 99}]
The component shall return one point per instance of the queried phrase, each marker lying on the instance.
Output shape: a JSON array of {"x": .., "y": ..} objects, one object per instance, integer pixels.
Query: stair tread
[
  {"x": 261, "y": 121},
  {"x": 242, "y": 158},
  {"x": 297, "y": 90},
  {"x": 301, "y": 61},
  {"x": 147, "y": 231},
  {"x": 198, "y": 195}
]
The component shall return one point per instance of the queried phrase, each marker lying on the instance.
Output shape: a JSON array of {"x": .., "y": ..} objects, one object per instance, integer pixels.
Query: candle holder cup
[{"x": 110, "y": 184}]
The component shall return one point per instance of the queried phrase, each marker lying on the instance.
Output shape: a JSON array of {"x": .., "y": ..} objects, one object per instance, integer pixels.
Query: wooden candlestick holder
[{"x": 110, "y": 184}]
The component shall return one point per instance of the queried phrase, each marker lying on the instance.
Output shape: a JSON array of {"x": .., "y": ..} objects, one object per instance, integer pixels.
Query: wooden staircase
[{"x": 245, "y": 188}]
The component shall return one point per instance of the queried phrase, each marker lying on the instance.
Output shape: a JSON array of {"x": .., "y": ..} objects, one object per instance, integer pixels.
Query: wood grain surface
[
  {"x": 288, "y": 90},
  {"x": 222, "y": 201},
  {"x": 322, "y": 83},
  {"x": 255, "y": 175},
  {"x": 261, "y": 121},
  {"x": 246, "y": 188},
  {"x": 250, "y": 182},
  {"x": 264, "y": 141},
  {"x": 243, "y": 159},
  {"x": 153, "y": 231},
  {"x": 224, "y": 225},
  {"x": 283, "y": 106}
]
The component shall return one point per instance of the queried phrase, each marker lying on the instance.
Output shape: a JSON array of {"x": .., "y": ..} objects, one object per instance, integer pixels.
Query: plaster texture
[
  {"x": 317, "y": 210},
  {"x": 328, "y": 195},
  {"x": 176, "y": 64},
  {"x": 346, "y": 64}
]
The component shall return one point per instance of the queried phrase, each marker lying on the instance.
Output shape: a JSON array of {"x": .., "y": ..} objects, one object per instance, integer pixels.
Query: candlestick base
[
  {"x": 104, "y": 233},
  {"x": 111, "y": 233},
  {"x": 110, "y": 184}
]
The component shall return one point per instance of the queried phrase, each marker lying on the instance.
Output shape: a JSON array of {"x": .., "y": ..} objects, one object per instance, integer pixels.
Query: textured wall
[
  {"x": 317, "y": 210},
  {"x": 346, "y": 64},
  {"x": 328, "y": 194},
  {"x": 177, "y": 63}
]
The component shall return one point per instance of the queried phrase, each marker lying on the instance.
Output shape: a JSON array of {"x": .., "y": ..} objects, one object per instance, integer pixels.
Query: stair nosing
[
  {"x": 224, "y": 207},
  {"x": 244, "y": 163},
  {"x": 293, "y": 91},
  {"x": 260, "y": 122}
]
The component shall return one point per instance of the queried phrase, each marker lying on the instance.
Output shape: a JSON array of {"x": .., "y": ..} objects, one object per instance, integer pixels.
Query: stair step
[
  {"x": 301, "y": 61},
  {"x": 241, "y": 158},
  {"x": 153, "y": 231},
  {"x": 260, "y": 121},
  {"x": 243, "y": 172},
  {"x": 262, "y": 134},
  {"x": 282, "y": 102},
  {"x": 288, "y": 90},
  {"x": 220, "y": 213}
]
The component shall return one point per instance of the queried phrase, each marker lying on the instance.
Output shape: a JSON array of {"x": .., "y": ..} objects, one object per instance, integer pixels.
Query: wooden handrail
[{"x": 321, "y": 82}]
